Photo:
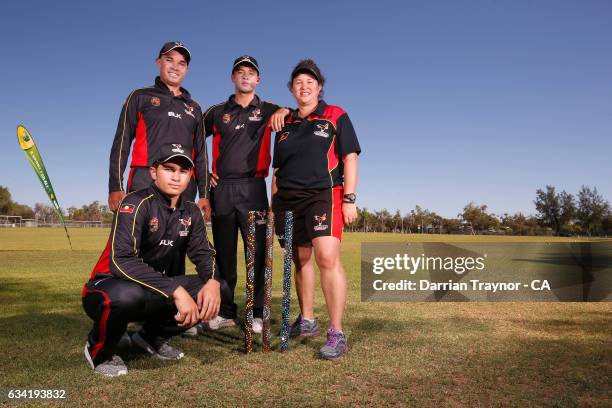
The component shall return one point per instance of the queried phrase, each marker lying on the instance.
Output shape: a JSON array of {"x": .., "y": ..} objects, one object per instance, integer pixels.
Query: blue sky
[{"x": 453, "y": 101}]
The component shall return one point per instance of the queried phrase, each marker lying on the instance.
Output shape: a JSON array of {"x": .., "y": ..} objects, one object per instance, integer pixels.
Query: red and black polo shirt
[
  {"x": 241, "y": 138},
  {"x": 308, "y": 151},
  {"x": 152, "y": 117}
]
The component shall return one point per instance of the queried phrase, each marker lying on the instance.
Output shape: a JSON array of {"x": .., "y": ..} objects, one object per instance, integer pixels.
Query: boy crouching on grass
[{"x": 141, "y": 273}]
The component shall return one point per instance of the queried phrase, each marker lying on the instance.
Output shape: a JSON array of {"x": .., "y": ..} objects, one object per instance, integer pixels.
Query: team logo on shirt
[
  {"x": 155, "y": 101},
  {"x": 240, "y": 126},
  {"x": 283, "y": 136},
  {"x": 320, "y": 219},
  {"x": 185, "y": 223},
  {"x": 256, "y": 116},
  {"x": 226, "y": 118},
  {"x": 322, "y": 130},
  {"x": 175, "y": 115},
  {"x": 189, "y": 110},
  {"x": 127, "y": 208},
  {"x": 154, "y": 224},
  {"x": 177, "y": 148}
]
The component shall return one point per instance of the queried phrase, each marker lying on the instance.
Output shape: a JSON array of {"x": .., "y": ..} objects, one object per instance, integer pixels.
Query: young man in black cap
[
  {"x": 156, "y": 115},
  {"x": 241, "y": 131},
  {"x": 141, "y": 273}
]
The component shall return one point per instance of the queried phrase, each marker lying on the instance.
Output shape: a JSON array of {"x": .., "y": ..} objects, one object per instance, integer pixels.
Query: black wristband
[{"x": 349, "y": 198}]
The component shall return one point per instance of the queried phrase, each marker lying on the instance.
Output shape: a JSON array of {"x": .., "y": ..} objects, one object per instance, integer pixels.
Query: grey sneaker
[
  {"x": 110, "y": 368},
  {"x": 193, "y": 331},
  {"x": 257, "y": 325},
  {"x": 219, "y": 322},
  {"x": 157, "y": 347},
  {"x": 335, "y": 347},
  {"x": 304, "y": 328}
]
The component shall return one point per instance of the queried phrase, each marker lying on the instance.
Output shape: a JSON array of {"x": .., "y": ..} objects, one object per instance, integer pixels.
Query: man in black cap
[
  {"x": 156, "y": 115},
  {"x": 141, "y": 273},
  {"x": 241, "y": 128}
]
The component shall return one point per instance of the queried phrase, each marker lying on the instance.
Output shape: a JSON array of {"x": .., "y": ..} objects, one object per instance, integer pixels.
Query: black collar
[
  {"x": 162, "y": 197},
  {"x": 255, "y": 102},
  {"x": 159, "y": 84},
  {"x": 319, "y": 110}
]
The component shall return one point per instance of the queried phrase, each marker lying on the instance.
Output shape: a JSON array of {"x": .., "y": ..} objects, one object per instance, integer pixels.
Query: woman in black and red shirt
[{"x": 315, "y": 176}]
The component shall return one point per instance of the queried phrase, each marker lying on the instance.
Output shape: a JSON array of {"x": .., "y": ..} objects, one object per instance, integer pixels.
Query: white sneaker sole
[{"x": 88, "y": 357}]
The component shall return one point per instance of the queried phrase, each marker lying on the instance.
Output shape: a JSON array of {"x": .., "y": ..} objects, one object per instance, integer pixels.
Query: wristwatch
[{"x": 349, "y": 198}]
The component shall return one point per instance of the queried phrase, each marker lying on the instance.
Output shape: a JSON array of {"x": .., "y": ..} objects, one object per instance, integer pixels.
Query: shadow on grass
[
  {"x": 42, "y": 342},
  {"x": 598, "y": 326},
  {"x": 36, "y": 296},
  {"x": 415, "y": 327},
  {"x": 428, "y": 355}
]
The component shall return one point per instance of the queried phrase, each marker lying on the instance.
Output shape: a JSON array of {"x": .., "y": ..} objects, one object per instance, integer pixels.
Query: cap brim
[
  {"x": 245, "y": 62},
  {"x": 178, "y": 155},
  {"x": 181, "y": 47},
  {"x": 305, "y": 70}
]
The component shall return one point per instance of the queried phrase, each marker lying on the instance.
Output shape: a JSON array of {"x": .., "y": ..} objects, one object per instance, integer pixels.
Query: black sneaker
[{"x": 157, "y": 347}]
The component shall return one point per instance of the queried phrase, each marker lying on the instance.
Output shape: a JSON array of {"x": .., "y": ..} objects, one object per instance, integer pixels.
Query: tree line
[
  {"x": 44, "y": 213},
  {"x": 557, "y": 213},
  {"x": 561, "y": 214}
]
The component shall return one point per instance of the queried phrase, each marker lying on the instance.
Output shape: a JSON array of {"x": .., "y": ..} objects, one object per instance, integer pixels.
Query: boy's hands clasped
[{"x": 206, "y": 308}]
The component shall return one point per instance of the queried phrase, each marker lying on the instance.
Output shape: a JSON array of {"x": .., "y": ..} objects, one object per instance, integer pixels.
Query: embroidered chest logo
[
  {"x": 127, "y": 208},
  {"x": 256, "y": 116},
  {"x": 175, "y": 115},
  {"x": 155, "y": 101},
  {"x": 166, "y": 242},
  {"x": 226, "y": 118},
  {"x": 240, "y": 126},
  {"x": 322, "y": 130},
  {"x": 283, "y": 136},
  {"x": 189, "y": 110},
  {"x": 320, "y": 219},
  {"x": 154, "y": 224},
  {"x": 185, "y": 223},
  {"x": 177, "y": 148}
]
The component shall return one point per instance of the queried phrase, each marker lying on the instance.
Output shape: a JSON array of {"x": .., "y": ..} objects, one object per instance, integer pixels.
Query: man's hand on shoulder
[
  {"x": 209, "y": 300},
  {"x": 277, "y": 120},
  {"x": 114, "y": 199}
]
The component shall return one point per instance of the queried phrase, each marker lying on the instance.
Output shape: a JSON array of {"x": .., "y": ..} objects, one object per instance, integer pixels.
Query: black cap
[
  {"x": 308, "y": 68},
  {"x": 171, "y": 151},
  {"x": 178, "y": 46},
  {"x": 245, "y": 60}
]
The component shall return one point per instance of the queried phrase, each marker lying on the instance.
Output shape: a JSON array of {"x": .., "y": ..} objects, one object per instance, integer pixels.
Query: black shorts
[{"x": 316, "y": 213}]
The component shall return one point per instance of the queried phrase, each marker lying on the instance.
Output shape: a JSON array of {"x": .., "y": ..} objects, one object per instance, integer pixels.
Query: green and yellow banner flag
[{"x": 31, "y": 151}]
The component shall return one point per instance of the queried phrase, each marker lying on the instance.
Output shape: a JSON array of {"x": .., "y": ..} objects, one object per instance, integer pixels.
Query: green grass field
[{"x": 403, "y": 354}]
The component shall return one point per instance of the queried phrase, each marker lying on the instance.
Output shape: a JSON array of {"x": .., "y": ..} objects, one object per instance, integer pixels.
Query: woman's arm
[{"x": 349, "y": 210}]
